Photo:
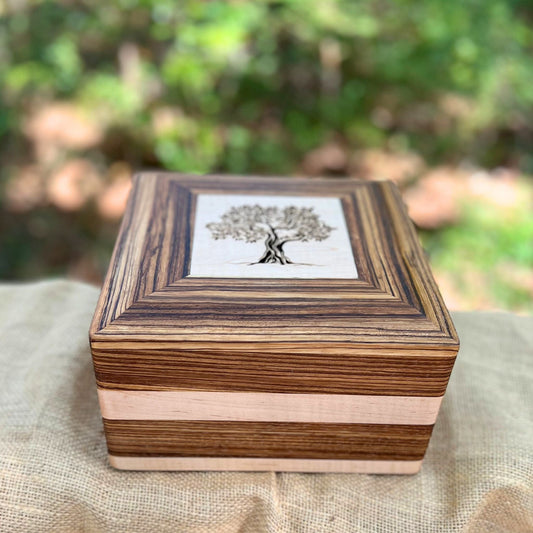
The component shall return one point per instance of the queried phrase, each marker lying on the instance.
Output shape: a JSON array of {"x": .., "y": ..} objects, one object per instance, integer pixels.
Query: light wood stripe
[
  {"x": 268, "y": 407},
  {"x": 251, "y": 464}
]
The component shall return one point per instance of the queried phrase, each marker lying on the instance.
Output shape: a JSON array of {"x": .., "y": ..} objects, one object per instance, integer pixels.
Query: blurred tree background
[{"x": 435, "y": 95}]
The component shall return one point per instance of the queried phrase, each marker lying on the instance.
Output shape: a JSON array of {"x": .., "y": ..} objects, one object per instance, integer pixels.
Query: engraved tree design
[{"x": 278, "y": 226}]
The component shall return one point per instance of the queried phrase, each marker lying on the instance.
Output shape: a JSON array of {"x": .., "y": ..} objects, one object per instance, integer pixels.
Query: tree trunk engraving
[
  {"x": 274, "y": 250},
  {"x": 277, "y": 226}
]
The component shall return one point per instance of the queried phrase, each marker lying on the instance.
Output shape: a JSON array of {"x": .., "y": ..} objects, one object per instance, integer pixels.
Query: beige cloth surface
[{"x": 477, "y": 476}]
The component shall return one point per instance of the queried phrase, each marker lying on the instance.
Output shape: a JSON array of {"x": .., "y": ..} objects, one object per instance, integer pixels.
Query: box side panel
[
  {"x": 254, "y": 464},
  {"x": 368, "y": 371},
  {"x": 268, "y": 407},
  {"x": 290, "y": 440}
]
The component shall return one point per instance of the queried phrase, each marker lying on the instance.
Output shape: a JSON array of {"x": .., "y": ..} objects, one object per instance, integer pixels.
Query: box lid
[{"x": 282, "y": 271}]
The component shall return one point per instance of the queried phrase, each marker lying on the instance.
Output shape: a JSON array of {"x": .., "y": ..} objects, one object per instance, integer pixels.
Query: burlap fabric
[{"x": 477, "y": 476}]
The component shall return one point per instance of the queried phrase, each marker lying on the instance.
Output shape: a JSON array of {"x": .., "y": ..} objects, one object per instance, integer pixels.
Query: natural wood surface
[
  {"x": 308, "y": 362},
  {"x": 267, "y": 407},
  {"x": 156, "y": 328},
  {"x": 286, "y": 372},
  {"x": 255, "y": 464},
  {"x": 147, "y": 283},
  {"x": 267, "y": 439}
]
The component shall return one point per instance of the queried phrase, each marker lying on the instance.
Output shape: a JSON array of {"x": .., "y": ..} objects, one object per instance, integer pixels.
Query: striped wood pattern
[
  {"x": 296, "y": 440},
  {"x": 387, "y": 332},
  {"x": 339, "y": 373},
  {"x": 156, "y": 330}
]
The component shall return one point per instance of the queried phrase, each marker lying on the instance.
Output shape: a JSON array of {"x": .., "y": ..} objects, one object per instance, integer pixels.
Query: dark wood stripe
[
  {"x": 273, "y": 372},
  {"x": 267, "y": 439}
]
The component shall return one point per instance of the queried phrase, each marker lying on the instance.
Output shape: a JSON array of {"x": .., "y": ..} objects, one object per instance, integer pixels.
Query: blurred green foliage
[
  {"x": 254, "y": 87},
  {"x": 489, "y": 255}
]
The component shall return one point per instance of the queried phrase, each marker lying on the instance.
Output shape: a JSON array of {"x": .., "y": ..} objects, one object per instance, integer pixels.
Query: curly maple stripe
[{"x": 267, "y": 407}]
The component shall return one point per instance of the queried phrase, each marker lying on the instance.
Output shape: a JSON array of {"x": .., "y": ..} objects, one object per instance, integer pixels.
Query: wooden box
[{"x": 269, "y": 324}]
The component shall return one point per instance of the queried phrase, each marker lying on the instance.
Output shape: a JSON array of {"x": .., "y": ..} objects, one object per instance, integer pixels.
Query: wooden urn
[{"x": 282, "y": 324}]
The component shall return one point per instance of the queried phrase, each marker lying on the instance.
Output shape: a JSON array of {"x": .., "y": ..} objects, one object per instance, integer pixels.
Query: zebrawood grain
[
  {"x": 364, "y": 360},
  {"x": 336, "y": 373},
  {"x": 155, "y": 328},
  {"x": 387, "y": 257},
  {"x": 267, "y": 439}
]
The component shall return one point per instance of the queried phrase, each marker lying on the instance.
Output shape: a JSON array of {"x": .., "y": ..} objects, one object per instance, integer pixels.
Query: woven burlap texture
[{"x": 54, "y": 477}]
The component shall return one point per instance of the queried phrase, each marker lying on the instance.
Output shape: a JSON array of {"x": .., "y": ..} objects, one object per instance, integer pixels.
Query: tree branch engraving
[{"x": 277, "y": 226}]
